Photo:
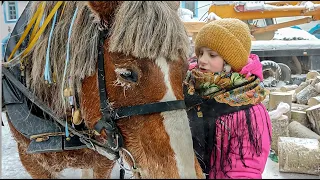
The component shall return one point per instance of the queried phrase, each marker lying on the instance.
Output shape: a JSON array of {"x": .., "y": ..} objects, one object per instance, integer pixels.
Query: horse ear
[
  {"x": 104, "y": 9},
  {"x": 177, "y": 5}
]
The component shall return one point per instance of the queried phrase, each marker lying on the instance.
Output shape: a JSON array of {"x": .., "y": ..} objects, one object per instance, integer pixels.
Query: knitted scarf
[{"x": 224, "y": 94}]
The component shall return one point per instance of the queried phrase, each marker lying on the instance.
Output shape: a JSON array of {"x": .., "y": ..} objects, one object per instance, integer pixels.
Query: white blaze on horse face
[{"x": 176, "y": 124}]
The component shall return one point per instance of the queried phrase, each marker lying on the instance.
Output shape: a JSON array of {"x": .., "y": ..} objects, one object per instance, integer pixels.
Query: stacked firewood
[
  {"x": 296, "y": 133},
  {"x": 308, "y": 92}
]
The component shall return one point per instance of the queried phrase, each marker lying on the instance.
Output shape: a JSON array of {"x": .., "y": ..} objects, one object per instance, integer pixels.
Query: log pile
[{"x": 296, "y": 134}]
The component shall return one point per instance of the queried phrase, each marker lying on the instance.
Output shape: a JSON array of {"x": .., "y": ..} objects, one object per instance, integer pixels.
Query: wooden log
[
  {"x": 315, "y": 81},
  {"x": 302, "y": 86},
  {"x": 314, "y": 101},
  {"x": 299, "y": 107},
  {"x": 288, "y": 87},
  {"x": 317, "y": 87},
  {"x": 312, "y": 75},
  {"x": 305, "y": 94},
  {"x": 294, "y": 97},
  {"x": 273, "y": 89},
  {"x": 301, "y": 117},
  {"x": 313, "y": 114},
  {"x": 276, "y": 97},
  {"x": 299, "y": 155},
  {"x": 279, "y": 129},
  {"x": 300, "y": 131}
]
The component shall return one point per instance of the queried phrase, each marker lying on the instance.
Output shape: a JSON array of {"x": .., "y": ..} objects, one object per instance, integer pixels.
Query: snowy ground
[{"x": 13, "y": 169}]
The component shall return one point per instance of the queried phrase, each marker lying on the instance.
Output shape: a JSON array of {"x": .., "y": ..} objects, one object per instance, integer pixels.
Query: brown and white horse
[{"x": 147, "y": 39}]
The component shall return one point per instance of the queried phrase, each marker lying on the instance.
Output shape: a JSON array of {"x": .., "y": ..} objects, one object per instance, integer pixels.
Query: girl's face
[{"x": 209, "y": 60}]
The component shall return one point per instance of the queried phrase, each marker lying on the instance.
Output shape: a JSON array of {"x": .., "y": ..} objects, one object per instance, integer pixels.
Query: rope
[
  {"x": 68, "y": 51},
  {"x": 41, "y": 30},
  {"x": 36, "y": 36},
  {"x": 47, "y": 72},
  {"x": 36, "y": 26},
  {"x": 67, "y": 60},
  {"x": 25, "y": 33}
]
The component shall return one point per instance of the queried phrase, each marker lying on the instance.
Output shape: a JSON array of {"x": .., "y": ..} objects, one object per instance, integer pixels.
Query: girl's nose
[{"x": 203, "y": 60}]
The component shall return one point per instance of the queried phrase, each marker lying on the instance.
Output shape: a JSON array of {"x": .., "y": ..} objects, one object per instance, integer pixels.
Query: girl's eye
[{"x": 213, "y": 55}]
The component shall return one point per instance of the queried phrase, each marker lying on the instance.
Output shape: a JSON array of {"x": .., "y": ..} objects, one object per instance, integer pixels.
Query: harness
[{"x": 46, "y": 129}]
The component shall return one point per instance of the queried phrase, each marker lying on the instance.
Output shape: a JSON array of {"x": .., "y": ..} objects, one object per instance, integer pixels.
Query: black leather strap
[
  {"x": 101, "y": 75},
  {"x": 149, "y": 108}
]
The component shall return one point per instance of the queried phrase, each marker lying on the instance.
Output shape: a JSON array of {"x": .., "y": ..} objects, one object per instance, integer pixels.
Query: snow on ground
[{"x": 13, "y": 169}]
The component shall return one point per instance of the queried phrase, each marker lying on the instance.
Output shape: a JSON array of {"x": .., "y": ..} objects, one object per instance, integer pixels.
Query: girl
[{"x": 231, "y": 127}]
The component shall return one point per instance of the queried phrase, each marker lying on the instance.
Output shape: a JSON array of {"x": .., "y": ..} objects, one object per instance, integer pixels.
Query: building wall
[{"x": 5, "y": 26}]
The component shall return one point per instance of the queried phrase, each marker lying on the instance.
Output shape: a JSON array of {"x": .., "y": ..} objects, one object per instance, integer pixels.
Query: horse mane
[
  {"x": 149, "y": 29},
  {"x": 83, "y": 52},
  {"x": 141, "y": 29}
]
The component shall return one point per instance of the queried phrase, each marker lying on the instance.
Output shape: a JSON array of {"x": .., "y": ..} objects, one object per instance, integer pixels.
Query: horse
[{"x": 143, "y": 47}]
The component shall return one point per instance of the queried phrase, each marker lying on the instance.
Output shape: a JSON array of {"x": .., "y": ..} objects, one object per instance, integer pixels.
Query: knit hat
[{"x": 230, "y": 38}]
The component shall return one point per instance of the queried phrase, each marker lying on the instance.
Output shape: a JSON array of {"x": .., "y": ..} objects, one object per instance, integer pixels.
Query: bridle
[{"x": 109, "y": 116}]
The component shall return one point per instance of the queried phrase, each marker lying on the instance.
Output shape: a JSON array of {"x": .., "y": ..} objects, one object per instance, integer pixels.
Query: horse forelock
[{"x": 149, "y": 29}]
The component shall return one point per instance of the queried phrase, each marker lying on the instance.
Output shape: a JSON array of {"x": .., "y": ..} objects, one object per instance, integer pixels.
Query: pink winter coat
[
  {"x": 255, "y": 164},
  {"x": 241, "y": 137}
]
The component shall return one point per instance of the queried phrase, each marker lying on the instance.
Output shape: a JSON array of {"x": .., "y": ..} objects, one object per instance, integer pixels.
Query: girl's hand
[{"x": 254, "y": 67}]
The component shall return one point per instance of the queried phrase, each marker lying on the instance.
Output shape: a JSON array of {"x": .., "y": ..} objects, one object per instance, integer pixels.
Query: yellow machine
[{"x": 248, "y": 11}]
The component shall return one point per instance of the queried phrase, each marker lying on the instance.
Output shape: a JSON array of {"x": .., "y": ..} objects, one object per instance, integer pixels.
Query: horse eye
[{"x": 129, "y": 75}]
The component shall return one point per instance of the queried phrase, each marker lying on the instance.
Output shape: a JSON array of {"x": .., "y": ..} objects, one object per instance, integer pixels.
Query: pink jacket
[
  {"x": 245, "y": 163},
  {"x": 255, "y": 164}
]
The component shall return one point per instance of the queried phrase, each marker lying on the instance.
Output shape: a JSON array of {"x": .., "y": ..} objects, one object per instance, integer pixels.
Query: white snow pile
[
  {"x": 185, "y": 14},
  {"x": 261, "y": 5},
  {"x": 288, "y": 34},
  {"x": 257, "y": 5},
  {"x": 213, "y": 16},
  {"x": 285, "y": 45}
]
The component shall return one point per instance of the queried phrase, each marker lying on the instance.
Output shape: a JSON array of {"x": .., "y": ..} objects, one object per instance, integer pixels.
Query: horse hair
[
  {"x": 154, "y": 31},
  {"x": 83, "y": 52}
]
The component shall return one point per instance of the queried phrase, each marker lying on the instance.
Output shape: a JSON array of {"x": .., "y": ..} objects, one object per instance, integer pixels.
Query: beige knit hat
[{"x": 230, "y": 38}]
